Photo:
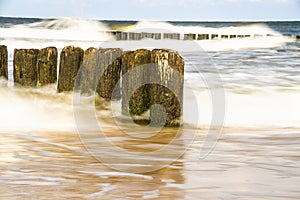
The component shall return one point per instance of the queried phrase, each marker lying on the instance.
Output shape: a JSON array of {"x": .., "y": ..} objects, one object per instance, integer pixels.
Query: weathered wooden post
[
  {"x": 25, "y": 72},
  {"x": 131, "y": 36},
  {"x": 88, "y": 72},
  {"x": 152, "y": 78},
  {"x": 224, "y": 36},
  {"x": 173, "y": 36},
  {"x": 47, "y": 66},
  {"x": 100, "y": 72},
  {"x": 70, "y": 61},
  {"x": 176, "y": 36},
  {"x": 109, "y": 63},
  {"x": 3, "y": 61},
  {"x": 118, "y": 35},
  {"x": 144, "y": 35},
  {"x": 124, "y": 36},
  {"x": 135, "y": 101},
  {"x": 135, "y": 36},
  {"x": 168, "y": 90},
  {"x": 214, "y": 36},
  {"x": 189, "y": 36},
  {"x": 150, "y": 35},
  {"x": 203, "y": 37},
  {"x": 157, "y": 36},
  {"x": 166, "y": 36}
]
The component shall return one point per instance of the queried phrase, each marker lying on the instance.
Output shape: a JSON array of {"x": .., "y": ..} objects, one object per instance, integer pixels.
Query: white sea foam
[
  {"x": 252, "y": 29},
  {"x": 89, "y": 33},
  {"x": 117, "y": 174},
  {"x": 258, "y": 109},
  {"x": 261, "y": 36},
  {"x": 25, "y": 109},
  {"x": 105, "y": 189},
  {"x": 58, "y": 32}
]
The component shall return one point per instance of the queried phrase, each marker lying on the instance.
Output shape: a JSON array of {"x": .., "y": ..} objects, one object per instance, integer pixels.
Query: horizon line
[{"x": 155, "y": 20}]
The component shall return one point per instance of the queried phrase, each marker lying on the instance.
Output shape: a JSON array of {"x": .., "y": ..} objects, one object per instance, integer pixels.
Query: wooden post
[
  {"x": 3, "y": 61},
  {"x": 186, "y": 36},
  {"x": 168, "y": 92},
  {"x": 109, "y": 64},
  {"x": 156, "y": 77},
  {"x": 176, "y": 36},
  {"x": 157, "y": 36},
  {"x": 132, "y": 36},
  {"x": 47, "y": 66},
  {"x": 135, "y": 101},
  {"x": 189, "y": 36},
  {"x": 166, "y": 35},
  {"x": 118, "y": 35},
  {"x": 25, "y": 72},
  {"x": 203, "y": 37},
  {"x": 224, "y": 36},
  {"x": 214, "y": 36},
  {"x": 70, "y": 60},
  {"x": 124, "y": 36},
  {"x": 87, "y": 82},
  {"x": 173, "y": 36},
  {"x": 135, "y": 36}
]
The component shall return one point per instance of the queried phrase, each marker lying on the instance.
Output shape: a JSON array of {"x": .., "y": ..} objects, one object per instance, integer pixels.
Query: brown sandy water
[{"x": 245, "y": 164}]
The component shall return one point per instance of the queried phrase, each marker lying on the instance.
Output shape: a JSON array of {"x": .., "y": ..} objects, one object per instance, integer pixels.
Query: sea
[{"x": 240, "y": 137}]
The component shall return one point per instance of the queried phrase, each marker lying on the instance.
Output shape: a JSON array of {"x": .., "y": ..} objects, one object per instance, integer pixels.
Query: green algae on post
[
  {"x": 3, "y": 61},
  {"x": 47, "y": 66},
  {"x": 70, "y": 61},
  {"x": 109, "y": 61},
  {"x": 25, "y": 72}
]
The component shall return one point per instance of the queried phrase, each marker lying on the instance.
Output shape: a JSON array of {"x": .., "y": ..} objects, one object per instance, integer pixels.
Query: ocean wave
[{"x": 91, "y": 33}]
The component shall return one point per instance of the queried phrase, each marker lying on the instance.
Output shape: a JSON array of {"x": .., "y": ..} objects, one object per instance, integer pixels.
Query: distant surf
[{"x": 92, "y": 33}]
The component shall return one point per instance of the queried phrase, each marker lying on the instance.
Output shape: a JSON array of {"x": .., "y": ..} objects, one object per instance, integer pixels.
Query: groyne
[
  {"x": 119, "y": 35},
  {"x": 142, "y": 79}
]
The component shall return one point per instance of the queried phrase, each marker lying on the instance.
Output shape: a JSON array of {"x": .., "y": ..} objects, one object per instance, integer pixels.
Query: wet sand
[{"x": 245, "y": 164}]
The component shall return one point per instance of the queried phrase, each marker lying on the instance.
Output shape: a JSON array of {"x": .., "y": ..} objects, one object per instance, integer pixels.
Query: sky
[{"x": 181, "y": 10}]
